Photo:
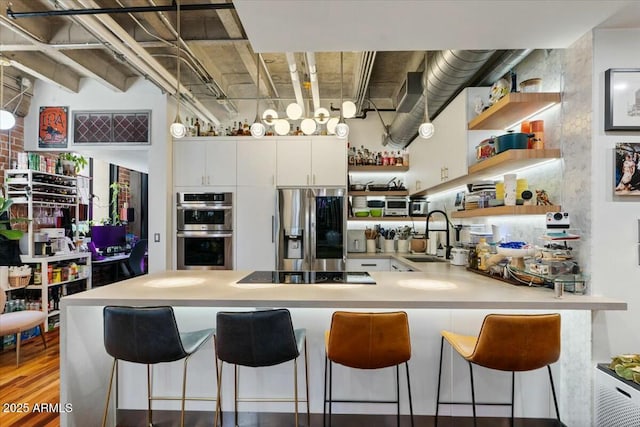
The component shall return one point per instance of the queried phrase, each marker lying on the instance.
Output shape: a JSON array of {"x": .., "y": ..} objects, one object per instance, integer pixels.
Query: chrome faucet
[{"x": 446, "y": 230}]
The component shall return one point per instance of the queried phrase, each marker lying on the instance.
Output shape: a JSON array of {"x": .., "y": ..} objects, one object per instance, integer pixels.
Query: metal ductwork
[
  {"x": 447, "y": 72},
  {"x": 502, "y": 65}
]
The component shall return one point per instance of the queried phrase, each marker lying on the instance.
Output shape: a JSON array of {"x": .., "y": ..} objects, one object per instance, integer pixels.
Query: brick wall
[
  {"x": 124, "y": 178},
  {"x": 17, "y": 145}
]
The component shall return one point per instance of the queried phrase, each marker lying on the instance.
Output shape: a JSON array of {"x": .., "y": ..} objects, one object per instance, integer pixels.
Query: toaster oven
[
  {"x": 396, "y": 206},
  {"x": 418, "y": 207}
]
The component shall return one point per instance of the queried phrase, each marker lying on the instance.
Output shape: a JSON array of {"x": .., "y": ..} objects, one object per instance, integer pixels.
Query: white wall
[
  {"x": 153, "y": 159},
  {"x": 615, "y": 269}
]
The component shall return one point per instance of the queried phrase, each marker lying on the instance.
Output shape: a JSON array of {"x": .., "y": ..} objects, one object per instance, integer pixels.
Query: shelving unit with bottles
[
  {"x": 45, "y": 193},
  {"x": 367, "y": 171}
]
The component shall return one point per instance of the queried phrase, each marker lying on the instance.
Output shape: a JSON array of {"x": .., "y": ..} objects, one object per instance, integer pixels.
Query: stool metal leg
[
  {"x": 306, "y": 374},
  {"x": 43, "y": 329},
  {"x": 106, "y": 404},
  {"x": 149, "y": 413},
  {"x": 555, "y": 399},
  {"x": 473, "y": 394},
  {"x": 406, "y": 364},
  {"x": 398, "y": 395},
  {"x": 235, "y": 394},
  {"x": 218, "y": 406},
  {"x": 439, "y": 381},
  {"x": 513, "y": 393},
  {"x": 330, "y": 388},
  {"x": 295, "y": 387},
  {"x": 184, "y": 390},
  {"x": 324, "y": 401}
]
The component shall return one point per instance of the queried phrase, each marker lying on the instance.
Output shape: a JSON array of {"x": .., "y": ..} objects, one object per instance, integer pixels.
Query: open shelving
[
  {"x": 373, "y": 168},
  {"x": 511, "y": 108},
  {"x": 507, "y": 210}
]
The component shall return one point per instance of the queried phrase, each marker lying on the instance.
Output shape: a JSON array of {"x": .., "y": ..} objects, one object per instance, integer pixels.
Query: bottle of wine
[{"x": 197, "y": 127}]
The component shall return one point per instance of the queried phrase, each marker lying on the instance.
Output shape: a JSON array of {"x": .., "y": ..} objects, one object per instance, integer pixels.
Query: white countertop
[{"x": 437, "y": 285}]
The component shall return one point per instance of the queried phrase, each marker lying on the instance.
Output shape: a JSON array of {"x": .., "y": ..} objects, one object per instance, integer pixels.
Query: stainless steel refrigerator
[{"x": 310, "y": 229}]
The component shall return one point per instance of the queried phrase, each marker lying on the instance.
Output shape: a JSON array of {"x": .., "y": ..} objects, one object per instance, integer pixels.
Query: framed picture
[
  {"x": 627, "y": 169},
  {"x": 622, "y": 99},
  {"x": 53, "y": 127}
]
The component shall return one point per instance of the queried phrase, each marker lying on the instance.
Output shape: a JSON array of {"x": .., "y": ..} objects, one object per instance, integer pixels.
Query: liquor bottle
[
  {"x": 59, "y": 170},
  {"x": 197, "y": 127},
  {"x": 245, "y": 128}
]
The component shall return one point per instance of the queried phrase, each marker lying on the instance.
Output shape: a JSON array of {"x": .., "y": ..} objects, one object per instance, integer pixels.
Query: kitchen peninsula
[{"x": 439, "y": 296}]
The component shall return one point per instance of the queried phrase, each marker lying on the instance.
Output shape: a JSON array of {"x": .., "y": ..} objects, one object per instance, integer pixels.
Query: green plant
[
  {"x": 5, "y": 204},
  {"x": 116, "y": 187},
  {"x": 79, "y": 162}
]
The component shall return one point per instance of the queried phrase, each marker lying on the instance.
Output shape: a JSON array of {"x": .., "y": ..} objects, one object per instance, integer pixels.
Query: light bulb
[
  {"x": 294, "y": 111},
  {"x": 269, "y": 116},
  {"x": 426, "y": 130},
  {"x": 7, "y": 120},
  {"x": 257, "y": 130},
  {"x": 308, "y": 126},
  {"x": 282, "y": 127},
  {"x": 177, "y": 129},
  {"x": 348, "y": 109},
  {"x": 331, "y": 125},
  {"x": 342, "y": 130}
]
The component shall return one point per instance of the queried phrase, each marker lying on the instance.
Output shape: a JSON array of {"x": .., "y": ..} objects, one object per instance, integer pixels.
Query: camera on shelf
[{"x": 558, "y": 220}]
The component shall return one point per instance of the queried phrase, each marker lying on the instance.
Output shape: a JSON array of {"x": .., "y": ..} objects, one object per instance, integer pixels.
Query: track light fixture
[
  {"x": 257, "y": 128},
  {"x": 178, "y": 129},
  {"x": 426, "y": 129},
  {"x": 342, "y": 129}
]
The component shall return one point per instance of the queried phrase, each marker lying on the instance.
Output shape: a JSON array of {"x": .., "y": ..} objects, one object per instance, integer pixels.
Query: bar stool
[
  {"x": 507, "y": 343},
  {"x": 367, "y": 341},
  {"x": 149, "y": 335},
  {"x": 258, "y": 339}
]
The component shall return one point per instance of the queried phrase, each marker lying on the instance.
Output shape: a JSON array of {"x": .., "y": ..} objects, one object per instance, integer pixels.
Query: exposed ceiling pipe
[
  {"x": 107, "y": 29},
  {"x": 89, "y": 46},
  {"x": 295, "y": 80},
  {"x": 364, "y": 75},
  {"x": 503, "y": 64},
  {"x": 313, "y": 77},
  {"x": 448, "y": 70}
]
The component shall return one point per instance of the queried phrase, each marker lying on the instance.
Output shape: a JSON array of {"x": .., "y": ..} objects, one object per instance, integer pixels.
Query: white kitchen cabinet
[
  {"x": 313, "y": 161},
  {"x": 204, "y": 162},
  {"x": 397, "y": 266},
  {"x": 368, "y": 264},
  {"x": 255, "y": 228},
  {"x": 256, "y": 161},
  {"x": 445, "y": 156}
]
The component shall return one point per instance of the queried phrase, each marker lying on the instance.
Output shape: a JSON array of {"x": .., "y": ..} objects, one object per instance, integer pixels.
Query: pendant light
[
  {"x": 342, "y": 129},
  {"x": 257, "y": 128},
  {"x": 177, "y": 128},
  {"x": 426, "y": 129},
  {"x": 7, "y": 119}
]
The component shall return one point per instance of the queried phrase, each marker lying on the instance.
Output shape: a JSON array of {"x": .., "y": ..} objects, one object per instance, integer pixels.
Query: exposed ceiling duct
[
  {"x": 447, "y": 72},
  {"x": 365, "y": 67},
  {"x": 502, "y": 65}
]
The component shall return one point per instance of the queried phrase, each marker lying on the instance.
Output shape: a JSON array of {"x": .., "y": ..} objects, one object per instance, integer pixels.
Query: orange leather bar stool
[
  {"x": 367, "y": 341},
  {"x": 514, "y": 343}
]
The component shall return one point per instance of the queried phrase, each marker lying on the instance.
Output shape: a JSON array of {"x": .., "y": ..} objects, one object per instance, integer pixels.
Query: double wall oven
[{"x": 204, "y": 231}]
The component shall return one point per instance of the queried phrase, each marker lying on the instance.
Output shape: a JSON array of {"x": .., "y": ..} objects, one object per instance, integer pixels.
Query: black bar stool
[
  {"x": 507, "y": 343},
  {"x": 149, "y": 335},
  {"x": 258, "y": 339},
  {"x": 368, "y": 341}
]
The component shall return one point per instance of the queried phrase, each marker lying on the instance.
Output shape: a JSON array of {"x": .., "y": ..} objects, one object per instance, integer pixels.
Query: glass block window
[{"x": 111, "y": 127}]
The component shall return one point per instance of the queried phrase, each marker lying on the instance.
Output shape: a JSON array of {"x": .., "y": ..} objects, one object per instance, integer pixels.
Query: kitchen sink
[{"x": 425, "y": 259}]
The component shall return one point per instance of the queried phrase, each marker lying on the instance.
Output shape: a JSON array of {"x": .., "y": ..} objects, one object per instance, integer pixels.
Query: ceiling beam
[{"x": 46, "y": 69}]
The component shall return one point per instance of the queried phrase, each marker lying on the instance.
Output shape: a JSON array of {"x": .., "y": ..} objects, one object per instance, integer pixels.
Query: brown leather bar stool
[
  {"x": 367, "y": 341},
  {"x": 149, "y": 335},
  {"x": 514, "y": 343},
  {"x": 258, "y": 339}
]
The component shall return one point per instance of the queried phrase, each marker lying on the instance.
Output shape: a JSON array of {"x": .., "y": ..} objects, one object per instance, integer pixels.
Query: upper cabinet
[
  {"x": 204, "y": 162},
  {"x": 312, "y": 161},
  {"x": 256, "y": 162}
]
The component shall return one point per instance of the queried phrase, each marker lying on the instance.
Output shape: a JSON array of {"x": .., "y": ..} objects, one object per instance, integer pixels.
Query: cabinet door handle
[
  {"x": 307, "y": 179},
  {"x": 314, "y": 179},
  {"x": 368, "y": 265},
  {"x": 202, "y": 179},
  {"x": 273, "y": 229},
  {"x": 395, "y": 267},
  {"x": 208, "y": 179}
]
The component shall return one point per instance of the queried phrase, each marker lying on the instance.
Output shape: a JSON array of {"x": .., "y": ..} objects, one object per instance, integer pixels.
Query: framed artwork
[
  {"x": 627, "y": 169},
  {"x": 53, "y": 130},
  {"x": 622, "y": 99}
]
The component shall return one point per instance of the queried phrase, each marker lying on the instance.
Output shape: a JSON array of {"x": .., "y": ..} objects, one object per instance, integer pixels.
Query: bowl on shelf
[
  {"x": 361, "y": 213},
  {"x": 376, "y": 212}
]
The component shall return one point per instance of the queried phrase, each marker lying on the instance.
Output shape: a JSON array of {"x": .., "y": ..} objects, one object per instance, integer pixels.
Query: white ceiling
[{"x": 376, "y": 25}]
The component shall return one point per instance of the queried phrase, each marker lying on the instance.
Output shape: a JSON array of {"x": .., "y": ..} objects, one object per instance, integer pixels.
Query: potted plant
[
  {"x": 5, "y": 224},
  {"x": 72, "y": 163}
]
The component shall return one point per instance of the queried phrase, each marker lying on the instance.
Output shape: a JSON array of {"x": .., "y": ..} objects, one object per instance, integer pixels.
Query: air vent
[{"x": 409, "y": 93}]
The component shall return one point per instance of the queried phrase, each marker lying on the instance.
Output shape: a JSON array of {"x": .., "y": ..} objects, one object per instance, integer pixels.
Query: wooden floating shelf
[
  {"x": 506, "y": 210},
  {"x": 505, "y": 162},
  {"x": 371, "y": 168},
  {"x": 511, "y": 108},
  {"x": 385, "y": 218},
  {"x": 379, "y": 193}
]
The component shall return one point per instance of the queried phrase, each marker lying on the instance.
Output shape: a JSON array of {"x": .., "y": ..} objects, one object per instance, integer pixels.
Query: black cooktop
[{"x": 310, "y": 277}]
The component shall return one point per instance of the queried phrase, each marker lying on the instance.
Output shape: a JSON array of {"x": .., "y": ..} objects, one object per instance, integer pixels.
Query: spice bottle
[{"x": 482, "y": 249}]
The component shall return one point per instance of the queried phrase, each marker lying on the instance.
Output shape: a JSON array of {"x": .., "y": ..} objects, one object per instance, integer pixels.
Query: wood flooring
[{"x": 34, "y": 386}]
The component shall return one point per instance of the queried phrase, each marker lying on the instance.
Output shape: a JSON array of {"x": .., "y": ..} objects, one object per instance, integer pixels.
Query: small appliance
[
  {"x": 396, "y": 206},
  {"x": 459, "y": 256},
  {"x": 418, "y": 207},
  {"x": 356, "y": 241}
]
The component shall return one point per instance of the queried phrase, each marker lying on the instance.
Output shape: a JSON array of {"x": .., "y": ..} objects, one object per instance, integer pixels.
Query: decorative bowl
[{"x": 376, "y": 212}]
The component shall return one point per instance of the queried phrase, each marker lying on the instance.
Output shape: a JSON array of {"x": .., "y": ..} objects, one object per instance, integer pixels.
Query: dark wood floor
[{"x": 37, "y": 381}]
